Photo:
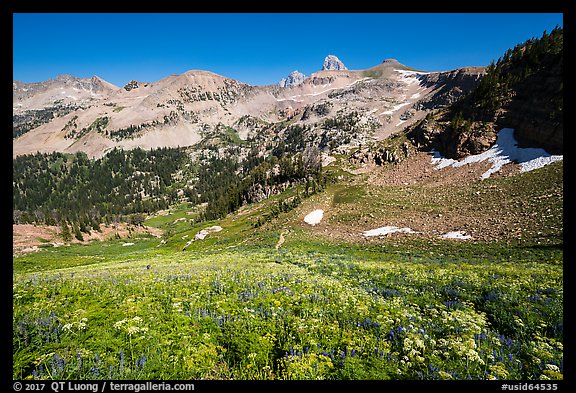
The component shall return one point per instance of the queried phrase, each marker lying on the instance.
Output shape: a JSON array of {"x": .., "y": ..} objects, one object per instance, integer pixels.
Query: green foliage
[
  {"x": 237, "y": 308},
  {"x": 511, "y": 72},
  {"x": 77, "y": 232},
  {"x": 30, "y": 119},
  {"x": 344, "y": 122},
  {"x": 310, "y": 311},
  {"x": 226, "y": 185},
  {"x": 65, "y": 231},
  {"x": 49, "y": 187},
  {"x": 124, "y": 185},
  {"x": 99, "y": 125},
  {"x": 348, "y": 195},
  {"x": 283, "y": 205}
]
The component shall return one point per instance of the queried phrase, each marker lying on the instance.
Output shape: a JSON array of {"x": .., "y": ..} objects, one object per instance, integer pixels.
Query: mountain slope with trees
[{"x": 523, "y": 90}]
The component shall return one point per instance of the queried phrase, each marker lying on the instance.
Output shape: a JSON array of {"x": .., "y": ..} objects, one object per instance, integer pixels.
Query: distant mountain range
[
  {"x": 457, "y": 112},
  {"x": 344, "y": 107}
]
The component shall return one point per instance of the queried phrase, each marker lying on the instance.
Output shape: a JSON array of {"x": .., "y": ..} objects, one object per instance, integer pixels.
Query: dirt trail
[{"x": 280, "y": 241}]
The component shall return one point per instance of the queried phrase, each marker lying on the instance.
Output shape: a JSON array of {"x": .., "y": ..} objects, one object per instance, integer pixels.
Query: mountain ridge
[{"x": 178, "y": 109}]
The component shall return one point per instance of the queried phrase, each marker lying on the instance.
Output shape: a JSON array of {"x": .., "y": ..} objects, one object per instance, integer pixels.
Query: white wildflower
[
  {"x": 118, "y": 325},
  {"x": 552, "y": 367},
  {"x": 132, "y": 330}
]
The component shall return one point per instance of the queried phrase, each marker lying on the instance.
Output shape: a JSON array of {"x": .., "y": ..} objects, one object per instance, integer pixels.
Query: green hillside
[{"x": 242, "y": 305}]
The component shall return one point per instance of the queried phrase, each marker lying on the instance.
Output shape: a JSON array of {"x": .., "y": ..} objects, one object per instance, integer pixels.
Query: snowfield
[
  {"x": 456, "y": 235},
  {"x": 411, "y": 77},
  {"x": 386, "y": 230},
  {"x": 314, "y": 217},
  {"x": 504, "y": 151},
  {"x": 395, "y": 108}
]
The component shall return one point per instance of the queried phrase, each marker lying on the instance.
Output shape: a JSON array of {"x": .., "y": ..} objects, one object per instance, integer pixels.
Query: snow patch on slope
[
  {"x": 411, "y": 77},
  {"x": 504, "y": 151},
  {"x": 395, "y": 108},
  {"x": 456, "y": 235},
  {"x": 386, "y": 230},
  {"x": 314, "y": 217}
]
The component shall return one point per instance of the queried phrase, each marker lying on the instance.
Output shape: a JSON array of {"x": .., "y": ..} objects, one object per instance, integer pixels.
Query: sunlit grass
[{"x": 326, "y": 312}]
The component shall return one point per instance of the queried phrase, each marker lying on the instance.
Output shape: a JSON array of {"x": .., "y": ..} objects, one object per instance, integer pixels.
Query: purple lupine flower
[
  {"x": 121, "y": 360},
  {"x": 59, "y": 362},
  {"x": 142, "y": 361}
]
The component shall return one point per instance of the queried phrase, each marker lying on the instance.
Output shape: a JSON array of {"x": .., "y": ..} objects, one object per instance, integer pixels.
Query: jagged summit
[
  {"x": 294, "y": 79},
  {"x": 331, "y": 62}
]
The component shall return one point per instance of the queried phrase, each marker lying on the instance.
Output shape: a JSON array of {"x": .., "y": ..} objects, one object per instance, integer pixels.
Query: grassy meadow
[{"x": 239, "y": 305}]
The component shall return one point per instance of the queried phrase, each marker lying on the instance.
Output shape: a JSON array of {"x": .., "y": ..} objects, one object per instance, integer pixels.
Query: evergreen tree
[
  {"x": 65, "y": 231},
  {"x": 77, "y": 232}
]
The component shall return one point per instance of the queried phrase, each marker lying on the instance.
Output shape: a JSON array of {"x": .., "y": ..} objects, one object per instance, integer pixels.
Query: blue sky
[{"x": 258, "y": 48}]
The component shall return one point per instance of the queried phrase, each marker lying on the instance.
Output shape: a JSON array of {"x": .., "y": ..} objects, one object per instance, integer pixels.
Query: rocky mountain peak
[
  {"x": 331, "y": 62},
  {"x": 66, "y": 78},
  {"x": 295, "y": 78}
]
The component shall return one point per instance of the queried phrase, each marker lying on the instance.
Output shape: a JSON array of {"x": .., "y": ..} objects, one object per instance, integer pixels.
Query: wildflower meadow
[{"x": 292, "y": 313}]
